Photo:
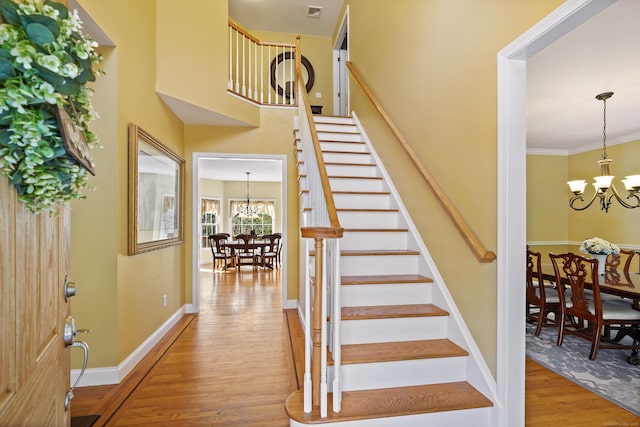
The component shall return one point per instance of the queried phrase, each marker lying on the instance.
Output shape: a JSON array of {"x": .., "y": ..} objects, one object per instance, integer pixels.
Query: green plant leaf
[
  {"x": 61, "y": 84},
  {"x": 51, "y": 24},
  {"x": 6, "y": 69},
  {"x": 39, "y": 34},
  {"x": 63, "y": 12},
  {"x": 9, "y": 11}
]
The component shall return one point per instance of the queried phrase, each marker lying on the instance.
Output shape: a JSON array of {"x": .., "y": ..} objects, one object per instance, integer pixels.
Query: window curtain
[
  {"x": 264, "y": 207},
  {"x": 209, "y": 206}
]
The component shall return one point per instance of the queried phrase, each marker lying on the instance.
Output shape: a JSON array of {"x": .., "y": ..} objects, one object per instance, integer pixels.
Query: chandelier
[
  {"x": 248, "y": 211},
  {"x": 605, "y": 190}
]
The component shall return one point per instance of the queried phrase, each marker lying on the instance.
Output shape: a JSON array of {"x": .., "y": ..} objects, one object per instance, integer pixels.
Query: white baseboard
[{"x": 113, "y": 375}]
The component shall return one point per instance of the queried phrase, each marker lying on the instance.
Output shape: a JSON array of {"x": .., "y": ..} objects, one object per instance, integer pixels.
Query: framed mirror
[{"x": 156, "y": 192}]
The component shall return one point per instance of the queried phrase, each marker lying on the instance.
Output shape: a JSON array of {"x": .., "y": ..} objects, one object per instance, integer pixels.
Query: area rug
[{"x": 609, "y": 376}]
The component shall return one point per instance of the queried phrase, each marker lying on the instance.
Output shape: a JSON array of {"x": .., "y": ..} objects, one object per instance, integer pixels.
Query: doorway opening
[
  {"x": 340, "y": 72},
  {"x": 220, "y": 182}
]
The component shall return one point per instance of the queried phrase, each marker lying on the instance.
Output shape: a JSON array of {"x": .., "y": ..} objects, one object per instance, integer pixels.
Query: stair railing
[
  {"x": 255, "y": 67},
  {"x": 322, "y": 233},
  {"x": 473, "y": 242}
]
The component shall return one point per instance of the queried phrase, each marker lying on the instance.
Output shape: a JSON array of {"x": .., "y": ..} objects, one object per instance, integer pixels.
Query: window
[
  {"x": 261, "y": 223},
  {"x": 209, "y": 214}
]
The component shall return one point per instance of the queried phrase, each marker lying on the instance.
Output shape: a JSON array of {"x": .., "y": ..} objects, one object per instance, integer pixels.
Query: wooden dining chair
[
  {"x": 624, "y": 258},
  {"x": 592, "y": 315},
  {"x": 541, "y": 300},
  {"x": 270, "y": 256},
  {"x": 220, "y": 252},
  {"x": 245, "y": 253}
]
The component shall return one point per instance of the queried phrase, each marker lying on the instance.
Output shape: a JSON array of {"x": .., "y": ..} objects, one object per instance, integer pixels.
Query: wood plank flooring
[{"x": 236, "y": 363}]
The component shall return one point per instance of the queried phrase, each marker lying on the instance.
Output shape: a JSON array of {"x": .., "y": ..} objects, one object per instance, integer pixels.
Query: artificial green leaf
[
  {"x": 51, "y": 24},
  {"x": 39, "y": 34},
  {"x": 9, "y": 11},
  {"x": 63, "y": 12},
  {"x": 61, "y": 84},
  {"x": 6, "y": 69},
  {"x": 6, "y": 53},
  {"x": 5, "y": 136}
]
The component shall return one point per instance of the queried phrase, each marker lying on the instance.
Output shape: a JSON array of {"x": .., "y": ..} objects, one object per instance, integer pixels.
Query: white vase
[{"x": 602, "y": 262}]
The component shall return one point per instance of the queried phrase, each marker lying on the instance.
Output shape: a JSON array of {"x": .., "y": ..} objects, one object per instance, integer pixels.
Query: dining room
[{"x": 241, "y": 218}]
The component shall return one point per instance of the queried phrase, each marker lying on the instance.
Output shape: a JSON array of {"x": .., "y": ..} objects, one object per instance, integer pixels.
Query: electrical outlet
[
  {"x": 318, "y": 95},
  {"x": 164, "y": 300}
]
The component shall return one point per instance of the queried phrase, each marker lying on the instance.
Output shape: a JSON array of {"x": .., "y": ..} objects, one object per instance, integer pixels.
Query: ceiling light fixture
[
  {"x": 605, "y": 190},
  {"x": 248, "y": 211}
]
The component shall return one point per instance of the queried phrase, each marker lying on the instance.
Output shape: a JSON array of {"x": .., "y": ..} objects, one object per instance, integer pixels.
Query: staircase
[{"x": 407, "y": 357}]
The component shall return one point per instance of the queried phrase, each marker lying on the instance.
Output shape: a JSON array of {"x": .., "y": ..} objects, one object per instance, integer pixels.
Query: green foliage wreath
[{"x": 45, "y": 61}]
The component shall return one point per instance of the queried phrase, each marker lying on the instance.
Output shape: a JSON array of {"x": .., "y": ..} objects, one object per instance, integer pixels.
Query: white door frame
[
  {"x": 340, "y": 72},
  {"x": 512, "y": 207},
  {"x": 194, "y": 307}
]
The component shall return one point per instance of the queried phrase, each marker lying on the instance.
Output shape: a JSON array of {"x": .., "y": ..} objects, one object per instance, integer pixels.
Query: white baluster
[
  {"x": 307, "y": 330},
  {"x": 255, "y": 71},
  {"x": 230, "y": 84},
  {"x": 250, "y": 44},
  {"x": 291, "y": 76},
  {"x": 323, "y": 337},
  {"x": 269, "y": 77},
  {"x": 244, "y": 75},
  {"x": 337, "y": 312},
  {"x": 237, "y": 64},
  {"x": 261, "y": 74}
]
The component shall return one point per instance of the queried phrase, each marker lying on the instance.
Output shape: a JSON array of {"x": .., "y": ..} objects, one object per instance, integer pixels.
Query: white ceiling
[
  {"x": 287, "y": 16},
  {"x": 235, "y": 169},
  {"x": 602, "y": 55}
]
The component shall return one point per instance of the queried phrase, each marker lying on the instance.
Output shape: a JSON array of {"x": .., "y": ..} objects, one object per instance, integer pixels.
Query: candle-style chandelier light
[
  {"x": 248, "y": 211},
  {"x": 605, "y": 190}
]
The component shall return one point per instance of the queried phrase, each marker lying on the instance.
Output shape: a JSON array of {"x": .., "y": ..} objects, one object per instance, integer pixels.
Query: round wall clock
[{"x": 282, "y": 70}]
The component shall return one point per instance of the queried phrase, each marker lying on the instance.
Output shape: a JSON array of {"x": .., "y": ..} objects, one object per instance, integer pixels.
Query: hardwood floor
[{"x": 236, "y": 362}]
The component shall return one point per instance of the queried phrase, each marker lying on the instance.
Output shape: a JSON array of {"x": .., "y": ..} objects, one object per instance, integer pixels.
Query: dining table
[
  {"x": 256, "y": 244},
  {"x": 614, "y": 281}
]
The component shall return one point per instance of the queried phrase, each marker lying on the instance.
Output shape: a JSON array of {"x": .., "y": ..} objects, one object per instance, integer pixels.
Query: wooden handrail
[
  {"x": 477, "y": 248},
  {"x": 254, "y": 39},
  {"x": 322, "y": 169}
]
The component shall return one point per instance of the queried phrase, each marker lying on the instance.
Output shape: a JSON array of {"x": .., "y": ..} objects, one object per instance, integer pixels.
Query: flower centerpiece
[
  {"x": 45, "y": 65},
  {"x": 600, "y": 249}
]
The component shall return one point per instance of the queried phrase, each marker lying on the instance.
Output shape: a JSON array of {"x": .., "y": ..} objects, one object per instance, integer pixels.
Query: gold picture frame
[{"x": 156, "y": 194}]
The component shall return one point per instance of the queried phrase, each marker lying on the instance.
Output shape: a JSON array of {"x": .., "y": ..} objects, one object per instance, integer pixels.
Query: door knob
[{"x": 85, "y": 350}]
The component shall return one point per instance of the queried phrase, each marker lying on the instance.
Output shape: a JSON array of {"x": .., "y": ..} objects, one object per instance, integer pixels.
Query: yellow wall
[
  {"x": 273, "y": 137},
  {"x": 549, "y": 218},
  {"x": 319, "y": 51},
  {"x": 432, "y": 64},
  {"x": 113, "y": 285}
]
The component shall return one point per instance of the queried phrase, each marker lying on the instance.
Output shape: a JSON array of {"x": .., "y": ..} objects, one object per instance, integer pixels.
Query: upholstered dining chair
[
  {"x": 541, "y": 300},
  {"x": 245, "y": 253},
  {"x": 220, "y": 252},
  {"x": 593, "y": 315}
]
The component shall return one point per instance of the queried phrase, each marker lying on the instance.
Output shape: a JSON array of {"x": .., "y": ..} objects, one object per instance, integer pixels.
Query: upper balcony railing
[{"x": 262, "y": 72}]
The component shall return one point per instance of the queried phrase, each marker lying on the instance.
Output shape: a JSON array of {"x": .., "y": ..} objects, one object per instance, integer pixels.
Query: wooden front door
[{"x": 34, "y": 362}]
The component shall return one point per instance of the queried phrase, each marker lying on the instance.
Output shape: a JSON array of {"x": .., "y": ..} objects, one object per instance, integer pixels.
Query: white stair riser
[
  {"x": 348, "y": 147},
  {"x": 367, "y": 376},
  {"x": 341, "y": 128},
  {"x": 379, "y": 264},
  {"x": 374, "y": 240},
  {"x": 393, "y": 330},
  {"x": 355, "y": 184},
  {"x": 385, "y": 294},
  {"x": 352, "y": 170},
  {"x": 363, "y": 219},
  {"x": 362, "y": 201},
  {"x": 479, "y": 417},
  {"x": 320, "y": 120},
  {"x": 333, "y": 136},
  {"x": 359, "y": 158}
]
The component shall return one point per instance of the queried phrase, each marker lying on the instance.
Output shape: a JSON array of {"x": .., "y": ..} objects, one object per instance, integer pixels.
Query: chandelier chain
[{"x": 604, "y": 129}]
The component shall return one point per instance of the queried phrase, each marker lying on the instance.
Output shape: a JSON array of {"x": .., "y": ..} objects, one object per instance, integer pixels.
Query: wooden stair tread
[
  {"x": 366, "y": 210},
  {"x": 354, "y": 177},
  {"x": 402, "y": 350},
  {"x": 391, "y": 311},
  {"x": 374, "y": 252},
  {"x": 375, "y": 193},
  {"x": 384, "y": 279},
  {"x": 377, "y": 252},
  {"x": 344, "y": 152},
  {"x": 391, "y": 402},
  {"x": 349, "y": 164},
  {"x": 376, "y": 230}
]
